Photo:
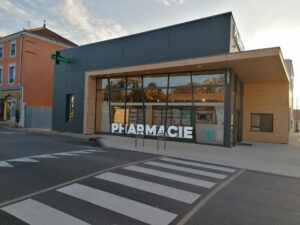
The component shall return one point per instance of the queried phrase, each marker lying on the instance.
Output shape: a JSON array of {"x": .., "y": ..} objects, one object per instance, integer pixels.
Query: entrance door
[{"x": 11, "y": 110}]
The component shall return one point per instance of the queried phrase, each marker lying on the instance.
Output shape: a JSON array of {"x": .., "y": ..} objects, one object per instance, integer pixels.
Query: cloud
[
  {"x": 171, "y": 2},
  {"x": 86, "y": 26},
  {"x": 8, "y": 6}
]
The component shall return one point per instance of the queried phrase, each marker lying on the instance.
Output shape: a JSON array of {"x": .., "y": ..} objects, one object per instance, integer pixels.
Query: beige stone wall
[
  {"x": 89, "y": 105},
  {"x": 267, "y": 98}
]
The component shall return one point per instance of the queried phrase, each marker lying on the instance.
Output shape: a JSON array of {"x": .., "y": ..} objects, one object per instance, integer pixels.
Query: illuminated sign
[
  {"x": 154, "y": 130},
  {"x": 59, "y": 58}
]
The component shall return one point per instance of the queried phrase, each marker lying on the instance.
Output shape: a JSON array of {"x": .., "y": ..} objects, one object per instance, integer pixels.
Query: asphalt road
[{"x": 49, "y": 180}]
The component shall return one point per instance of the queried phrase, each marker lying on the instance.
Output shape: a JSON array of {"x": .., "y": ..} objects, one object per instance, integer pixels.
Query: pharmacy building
[{"x": 190, "y": 82}]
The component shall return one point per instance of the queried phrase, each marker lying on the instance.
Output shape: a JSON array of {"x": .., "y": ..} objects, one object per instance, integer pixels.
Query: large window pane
[
  {"x": 118, "y": 82},
  {"x": 209, "y": 94},
  {"x": 155, "y": 95},
  {"x": 208, "y": 79},
  {"x": 102, "y": 112},
  {"x": 155, "y": 81},
  {"x": 134, "y": 82},
  {"x": 180, "y": 95},
  {"x": 117, "y": 96},
  {"x": 134, "y": 95},
  {"x": 180, "y": 80}
]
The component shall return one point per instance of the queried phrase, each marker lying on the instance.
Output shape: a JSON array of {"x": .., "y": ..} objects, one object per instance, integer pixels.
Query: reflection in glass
[
  {"x": 134, "y": 95},
  {"x": 102, "y": 83},
  {"x": 180, "y": 95},
  {"x": 118, "y": 114},
  {"x": 155, "y": 95},
  {"x": 180, "y": 80},
  {"x": 179, "y": 116},
  {"x": 209, "y": 94},
  {"x": 157, "y": 115},
  {"x": 118, "y": 82},
  {"x": 155, "y": 81},
  {"x": 134, "y": 82},
  {"x": 209, "y": 79},
  {"x": 102, "y": 112},
  {"x": 135, "y": 115},
  {"x": 117, "y": 96}
]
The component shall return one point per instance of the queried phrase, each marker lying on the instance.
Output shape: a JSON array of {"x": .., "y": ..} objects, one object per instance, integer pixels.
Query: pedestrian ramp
[{"x": 157, "y": 192}]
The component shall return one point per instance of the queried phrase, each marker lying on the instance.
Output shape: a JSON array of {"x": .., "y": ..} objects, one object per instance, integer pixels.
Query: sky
[{"x": 261, "y": 23}]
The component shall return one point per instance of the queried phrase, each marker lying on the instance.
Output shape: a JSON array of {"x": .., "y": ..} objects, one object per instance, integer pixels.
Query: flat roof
[{"x": 254, "y": 66}]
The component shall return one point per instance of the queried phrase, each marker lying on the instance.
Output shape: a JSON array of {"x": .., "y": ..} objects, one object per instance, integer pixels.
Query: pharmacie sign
[{"x": 154, "y": 130}]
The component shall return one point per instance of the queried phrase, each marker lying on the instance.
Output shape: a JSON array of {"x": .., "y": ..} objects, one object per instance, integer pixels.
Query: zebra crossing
[
  {"x": 157, "y": 192},
  {"x": 34, "y": 159}
]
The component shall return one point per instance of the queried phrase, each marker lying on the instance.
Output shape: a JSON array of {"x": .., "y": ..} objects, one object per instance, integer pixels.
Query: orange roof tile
[{"x": 46, "y": 33}]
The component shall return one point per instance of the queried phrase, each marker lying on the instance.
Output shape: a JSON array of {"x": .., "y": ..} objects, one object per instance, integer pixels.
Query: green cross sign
[{"x": 59, "y": 58}]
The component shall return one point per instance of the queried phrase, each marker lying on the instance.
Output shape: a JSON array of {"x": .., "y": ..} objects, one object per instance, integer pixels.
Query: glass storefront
[{"x": 188, "y": 106}]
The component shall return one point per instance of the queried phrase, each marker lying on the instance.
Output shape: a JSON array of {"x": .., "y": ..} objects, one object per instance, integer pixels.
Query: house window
[
  {"x": 262, "y": 122},
  {"x": 11, "y": 73},
  {"x": 13, "y": 48},
  {"x": 1, "y": 72},
  {"x": 70, "y": 108},
  {"x": 1, "y": 51}
]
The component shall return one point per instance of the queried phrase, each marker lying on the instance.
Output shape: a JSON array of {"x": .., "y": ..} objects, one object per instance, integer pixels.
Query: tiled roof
[{"x": 46, "y": 33}]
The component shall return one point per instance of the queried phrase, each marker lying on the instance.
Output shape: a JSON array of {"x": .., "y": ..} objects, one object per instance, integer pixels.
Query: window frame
[
  {"x": 14, "y": 42},
  {"x": 14, "y": 74},
  {"x": 251, "y": 126},
  {"x": 2, "y": 49}
]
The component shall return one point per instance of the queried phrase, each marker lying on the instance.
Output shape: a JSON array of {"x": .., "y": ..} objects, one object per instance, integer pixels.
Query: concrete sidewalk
[{"x": 281, "y": 159}]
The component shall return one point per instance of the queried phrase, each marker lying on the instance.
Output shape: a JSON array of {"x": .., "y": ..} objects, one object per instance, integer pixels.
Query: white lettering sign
[{"x": 171, "y": 131}]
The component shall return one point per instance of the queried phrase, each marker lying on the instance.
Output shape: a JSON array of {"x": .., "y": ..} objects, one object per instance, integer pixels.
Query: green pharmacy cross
[{"x": 59, "y": 58}]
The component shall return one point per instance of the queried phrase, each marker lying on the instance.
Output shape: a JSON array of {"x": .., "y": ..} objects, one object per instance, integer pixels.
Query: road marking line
[
  {"x": 72, "y": 181},
  {"x": 147, "y": 186},
  {"x": 36, "y": 213},
  {"x": 81, "y": 152},
  {"x": 171, "y": 176},
  {"x": 191, "y": 213},
  {"x": 44, "y": 157},
  {"x": 198, "y": 164},
  {"x": 124, "y": 206},
  {"x": 5, "y": 164},
  {"x": 24, "y": 159},
  {"x": 187, "y": 170},
  {"x": 64, "y": 154}
]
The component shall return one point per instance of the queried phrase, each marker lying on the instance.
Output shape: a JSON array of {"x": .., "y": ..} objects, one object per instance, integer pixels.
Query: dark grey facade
[{"x": 205, "y": 37}]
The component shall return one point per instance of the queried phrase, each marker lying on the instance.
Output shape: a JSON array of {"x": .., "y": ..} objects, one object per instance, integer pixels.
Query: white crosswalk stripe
[
  {"x": 24, "y": 159},
  {"x": 32, "y": 159},
  {"x": 124, "y": 206},
  {"x": 187, "y": 170},
  {"x": 171, "y": 176},
  {"x": 198, "y": 164},
  {"x": 44, "y": 157},
  {"x": 5, "y": 164},
  {"x": 162, "y": 190},
  {"x": 36, "y": 213}
]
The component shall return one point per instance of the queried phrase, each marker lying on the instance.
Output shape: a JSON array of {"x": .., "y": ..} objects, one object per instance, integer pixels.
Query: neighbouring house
[{"x": 26, "y": 76}]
